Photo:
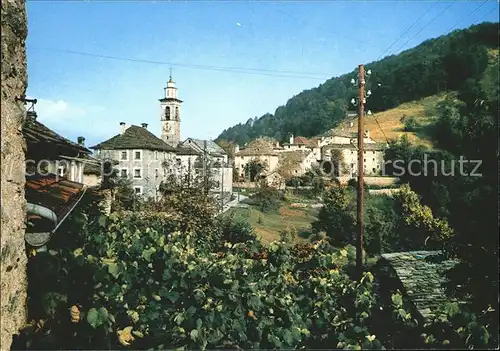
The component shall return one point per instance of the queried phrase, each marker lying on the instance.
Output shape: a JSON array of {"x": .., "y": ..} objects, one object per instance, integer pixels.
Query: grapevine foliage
[{"x": 136, "y": 281}]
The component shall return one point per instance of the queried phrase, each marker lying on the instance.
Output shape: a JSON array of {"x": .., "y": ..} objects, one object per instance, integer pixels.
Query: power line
[
  {"x": 436, "y": 45},
  {"x": 420, "y": 31},
  {"x": 380, "y": 127},
  {"x": 470, "y": 13},
  {"x": 486, "y": 14},
  {"x": 407, "y": 30},
  {"x": 243, "y": 70}
]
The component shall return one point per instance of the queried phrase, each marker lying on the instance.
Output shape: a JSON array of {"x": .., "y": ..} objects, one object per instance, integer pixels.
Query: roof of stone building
[
  {"x": 300, "y": 140},
  {"x": 134, "y": 137},
  {"x": 36, "y": 132},
  {"x": 212, "y": 146},
  {"x": 339, "y": 133},
  {"x": 296, "y": 157},
  {"x": 422, "y": 274},
  {"x": 257, "y": 147},
  {"x": 366, "y": 146},
  {"x": 50, "y": 200},
  {"x": 185, "y": 151}
]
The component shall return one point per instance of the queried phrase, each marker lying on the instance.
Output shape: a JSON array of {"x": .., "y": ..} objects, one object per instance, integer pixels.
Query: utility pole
[
  {"x": 360, "y": 222},
  {"x": 205, "y": 187}
]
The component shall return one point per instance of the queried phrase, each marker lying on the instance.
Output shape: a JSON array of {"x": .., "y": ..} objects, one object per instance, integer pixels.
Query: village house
[
  {"x": 141, "y": 156},
  {"x": 48, "y": 152},
  {"x": 344, "y": 159},
  {"x": 55, "y": 177},
  {"x": 261, "y": 151}
]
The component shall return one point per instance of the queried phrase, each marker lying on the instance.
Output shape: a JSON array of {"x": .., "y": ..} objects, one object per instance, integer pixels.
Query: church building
[{"x": 147, "y": 160}]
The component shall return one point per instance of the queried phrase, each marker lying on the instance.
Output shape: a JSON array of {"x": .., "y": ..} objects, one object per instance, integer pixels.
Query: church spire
[{"x": 170, "y": 78}]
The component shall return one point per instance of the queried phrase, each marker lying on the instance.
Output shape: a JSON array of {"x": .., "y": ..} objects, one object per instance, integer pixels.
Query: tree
[
  {"x": 410, "y": 124},
  {"x": 254, "y": 167},
  {"x": 267, "y": 198},
  {"x": 337, "y": 217}
]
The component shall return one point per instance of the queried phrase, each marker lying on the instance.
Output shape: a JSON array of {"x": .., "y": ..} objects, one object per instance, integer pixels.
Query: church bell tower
[{"x": 170, "y": 115}]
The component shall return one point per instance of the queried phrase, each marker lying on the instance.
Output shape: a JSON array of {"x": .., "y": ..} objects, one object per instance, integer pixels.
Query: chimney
[
  {"x": 81, "y": 141},
  {"x": 122, "y": 128},
  {"x": 291, "y": 139},
  {"x": 144, "y": 125},
  {"x": 236, "y": 148}
]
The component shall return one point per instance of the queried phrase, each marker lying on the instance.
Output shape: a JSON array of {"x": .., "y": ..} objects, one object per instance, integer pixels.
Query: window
[
  {"x": 364, "y": 160},
  {"x": 373, "y": 152},
  {"x": 138, "y": 190},
  {"x": 178, "y": 161},
  {"x": 373, "y": 159},
  {"x": 60, "y": 171},
  {"x": 364, "y": 151},
  {"x": 124, "y": 173},
  {"x": 137, "y": 155},
  {"x": 137, "y": 172},
  {"x": 156, "y": 155},
  {"x": 124, "y": 155},
  {"x": 352, "y": 165}
]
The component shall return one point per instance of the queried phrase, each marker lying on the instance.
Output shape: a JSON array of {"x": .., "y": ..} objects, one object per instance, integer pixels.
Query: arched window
[
  {"x": 167, "y": 113},
  {"x": 177, "y": 115}
]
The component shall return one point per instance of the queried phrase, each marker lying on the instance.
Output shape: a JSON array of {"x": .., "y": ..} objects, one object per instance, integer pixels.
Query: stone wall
[{"x": 13, "y": 259}]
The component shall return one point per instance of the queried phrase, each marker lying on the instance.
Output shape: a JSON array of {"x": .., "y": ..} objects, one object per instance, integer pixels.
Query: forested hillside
[{"x": 442, "y": 64}]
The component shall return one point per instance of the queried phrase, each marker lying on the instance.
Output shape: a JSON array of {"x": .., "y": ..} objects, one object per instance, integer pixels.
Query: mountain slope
[{"x": 436, "y": 65}]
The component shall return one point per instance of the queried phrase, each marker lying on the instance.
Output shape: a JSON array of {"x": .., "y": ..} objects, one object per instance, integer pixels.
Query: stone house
[
  {"x": 260, "y": 150},
  {"x": 49, "y": 153},
  {"x": 341, "y": 136},
  {"x": 347, "y": 154},
  {"x": 141, "y": 157}
]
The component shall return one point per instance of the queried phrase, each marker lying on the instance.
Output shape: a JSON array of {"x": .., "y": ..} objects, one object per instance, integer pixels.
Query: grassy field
[
  {"x": 391, "y": 124},
  {"x": 269, "y": 225}
]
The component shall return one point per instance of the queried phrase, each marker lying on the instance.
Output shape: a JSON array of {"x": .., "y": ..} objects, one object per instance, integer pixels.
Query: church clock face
[{"x": 167, "y": 128}]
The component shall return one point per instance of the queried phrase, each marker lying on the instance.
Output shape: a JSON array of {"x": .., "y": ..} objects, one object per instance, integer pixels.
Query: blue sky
[{"x": 89, "y": 96}]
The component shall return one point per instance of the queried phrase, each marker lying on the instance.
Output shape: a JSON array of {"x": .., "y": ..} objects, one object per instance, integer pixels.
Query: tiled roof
[
  {"x": 134, "y": 137},
  {"x": 212, "y": 147},
  {"x": 184, "y": 151},
  {"x": 36, "y": 132},
  {"x": 422, "y": 274},
  {"x": 50, "y": 195},
  {"x": 300, "y": 140},
  {"x": 257, "y": 147},
  {"x": 256, "y": 152}
]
